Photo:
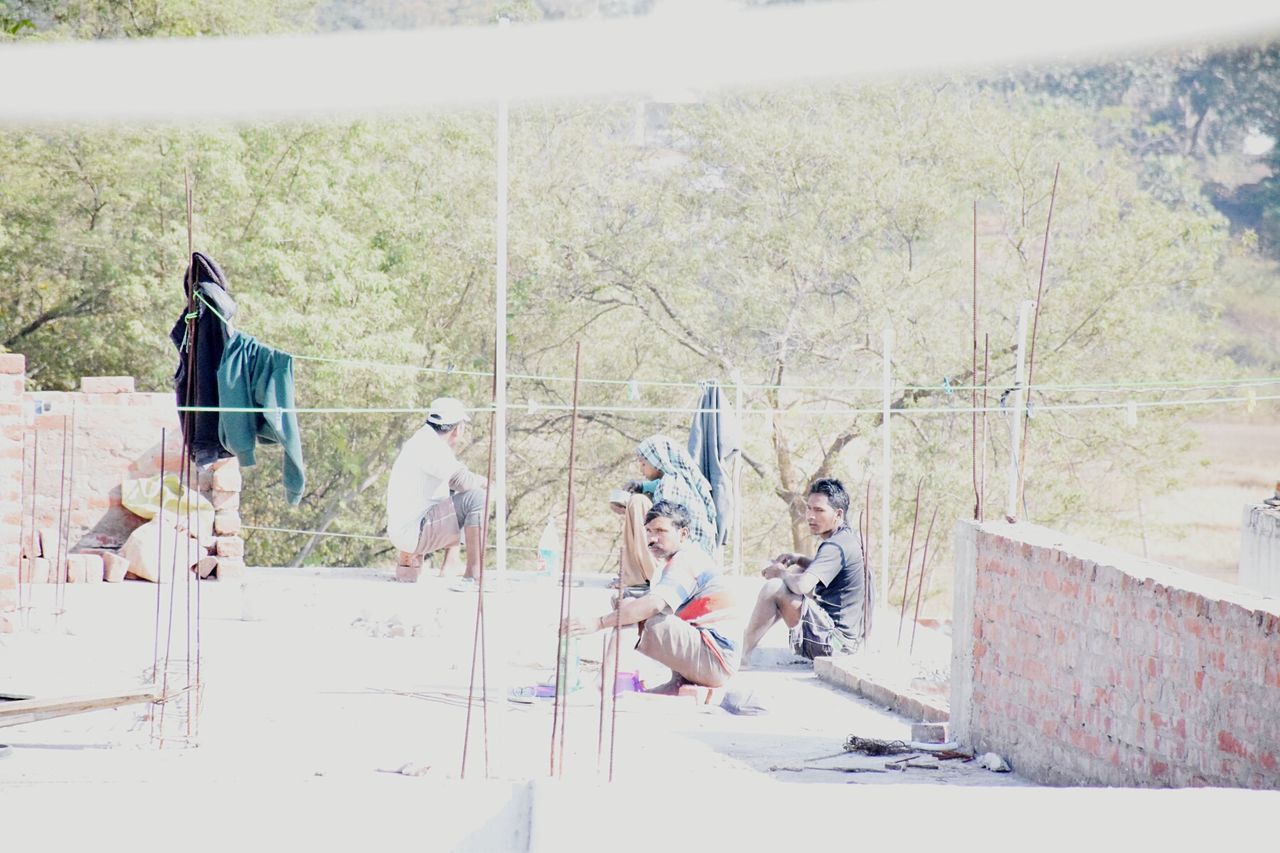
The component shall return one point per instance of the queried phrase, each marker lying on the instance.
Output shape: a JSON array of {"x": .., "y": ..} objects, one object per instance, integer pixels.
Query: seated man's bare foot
[{"x": 668, "y": 688}]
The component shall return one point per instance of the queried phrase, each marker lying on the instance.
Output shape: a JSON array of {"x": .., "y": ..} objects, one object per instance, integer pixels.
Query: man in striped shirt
[{"x": 687, "y": 616}]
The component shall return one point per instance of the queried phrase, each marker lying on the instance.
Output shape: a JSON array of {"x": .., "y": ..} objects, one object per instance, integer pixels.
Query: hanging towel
[
  {"x": 253, "y": 375},
  {"x": 714, "y": 437},
  {"x": 206, "y": 336}
]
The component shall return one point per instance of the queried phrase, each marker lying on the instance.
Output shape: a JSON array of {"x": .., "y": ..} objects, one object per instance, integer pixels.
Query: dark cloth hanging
[
  {"x": 714, "y": 437},
  {"x": 255, "y": 376},
  {"x": 207, "y": 336}
]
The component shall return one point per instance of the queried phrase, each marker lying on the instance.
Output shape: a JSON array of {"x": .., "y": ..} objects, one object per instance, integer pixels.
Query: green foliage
[{"x": 768, "y": 236}]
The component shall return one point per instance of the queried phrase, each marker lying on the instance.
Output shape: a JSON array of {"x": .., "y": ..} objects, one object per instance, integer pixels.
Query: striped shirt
[{"x": 694, "y": 589}]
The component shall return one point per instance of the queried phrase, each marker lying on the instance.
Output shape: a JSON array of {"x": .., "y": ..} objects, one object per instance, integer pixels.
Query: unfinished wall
[
  {"x": 63, "y": 458},
  {"x": 106, "y": 433},
  {"x": 1083, "y": 665},
  {"x": 12, "y": 370},
  {"x": 1260, "y": 550}
]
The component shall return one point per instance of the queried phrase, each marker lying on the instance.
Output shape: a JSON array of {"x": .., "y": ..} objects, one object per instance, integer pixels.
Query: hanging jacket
[
  {"x": 253, "y": 375},
  {"x": 206, "y": 337},
  {"x": 713, "y": 439}
]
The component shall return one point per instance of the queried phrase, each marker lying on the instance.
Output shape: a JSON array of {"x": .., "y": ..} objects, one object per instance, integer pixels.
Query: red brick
[
  {"x": 229, "y": 546},
  {"x": 228, "y": 478},
  {"x": 230, "y": 568},
  {"x": 13, "y": 363},
  {"x": 1228, "y": 743}
]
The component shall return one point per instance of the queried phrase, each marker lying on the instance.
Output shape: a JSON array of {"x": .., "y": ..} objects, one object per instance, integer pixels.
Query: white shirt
[{"x": 419, "y": 481}]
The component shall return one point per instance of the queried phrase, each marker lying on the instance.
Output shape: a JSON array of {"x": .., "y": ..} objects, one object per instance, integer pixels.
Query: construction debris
[
  {"x": 873, "y": 746},
  {"x": 22, "y": 711}
]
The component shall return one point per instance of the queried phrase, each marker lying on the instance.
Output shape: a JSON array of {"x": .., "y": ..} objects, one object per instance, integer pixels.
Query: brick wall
[
  {"x": 107, "y": 433},
  {"x": 1084, "y": 665},
  {"x": 63, "y": 458},
  {"x": 12, "y": 371}
]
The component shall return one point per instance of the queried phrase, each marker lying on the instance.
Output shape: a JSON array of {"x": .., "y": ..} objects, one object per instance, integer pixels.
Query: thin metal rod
[
  {"x": 193, "y": 697},
  {"x": 604, "y": 657},
  {"x": 188, "y": 424},
  {"x": 478, "y": 637},
  {"x": 911, "y": 551},
  {"x": 562, "y": 644},
  {"x": 924, "y": 569},
  {"x": 973, "y": 394},
  {"x": 60, "y": 566},
  {"x": 71, "y": 497},
  {"x": 1031, "y": 354},
  {"x": 155, "y": 652},
  {"x": 35, "y": 491},
  {"x": 186, "y": 575},
  {"x": 886, "y": 464},
  {"x": 866, "y": 566},
  {"x": 986, "y": 379},
  {"x": 22, "y": 533},
  {"x": 613, "y": 691}
]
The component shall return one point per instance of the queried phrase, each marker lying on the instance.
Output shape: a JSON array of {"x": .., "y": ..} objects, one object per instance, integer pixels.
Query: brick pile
[
  {"x": 1093, "y": 667},
  {"x": 108, "y": 433}
]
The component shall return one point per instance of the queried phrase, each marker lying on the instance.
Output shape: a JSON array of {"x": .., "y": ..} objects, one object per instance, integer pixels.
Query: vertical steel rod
[
  {"x": 911, "y": 548},
  {"x": 924, "y": 568},
  {"x": 1031, "y": 355}
]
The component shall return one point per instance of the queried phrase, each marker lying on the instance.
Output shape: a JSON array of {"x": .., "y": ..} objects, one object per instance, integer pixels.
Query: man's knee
[
  {"x": 772, "y": 589},
  {"x": 775, "y": 589},
  {"x": 470, "y": 507}
]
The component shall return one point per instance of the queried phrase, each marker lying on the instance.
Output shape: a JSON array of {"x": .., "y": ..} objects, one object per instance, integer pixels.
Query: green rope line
[{"x": 927, "y": 410}]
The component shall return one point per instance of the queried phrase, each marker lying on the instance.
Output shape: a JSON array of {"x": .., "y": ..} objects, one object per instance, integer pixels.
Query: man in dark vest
[{"x": 825, "y": 599}]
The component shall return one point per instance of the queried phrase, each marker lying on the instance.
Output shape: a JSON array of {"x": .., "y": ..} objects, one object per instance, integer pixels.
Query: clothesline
[
  {"x": 383, "y": 539},
  {"x": 946, "y": 386},
  {"x": 901, "y": 410}
]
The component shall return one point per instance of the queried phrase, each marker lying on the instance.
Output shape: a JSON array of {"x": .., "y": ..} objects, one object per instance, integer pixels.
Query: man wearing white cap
[{"x": 431, "y": 496}]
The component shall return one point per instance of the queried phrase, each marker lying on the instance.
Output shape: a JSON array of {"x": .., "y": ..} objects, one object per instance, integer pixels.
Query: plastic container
[{"x": 549, "y": 548}]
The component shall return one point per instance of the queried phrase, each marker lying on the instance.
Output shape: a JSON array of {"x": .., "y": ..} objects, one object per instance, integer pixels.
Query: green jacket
[{"x": 255, "y": 376}]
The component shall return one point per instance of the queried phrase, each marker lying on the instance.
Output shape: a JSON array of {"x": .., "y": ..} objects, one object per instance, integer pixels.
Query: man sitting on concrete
[
  {"x": 683, "y": 614},
  {"x": 825, "y": 600},
  {"x": 431, "y": 496}
]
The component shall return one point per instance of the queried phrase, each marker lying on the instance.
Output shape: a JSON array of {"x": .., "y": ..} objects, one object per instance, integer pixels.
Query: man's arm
[
  {"x": 797, "y": 579},
  {"x": 631, "y": 611},
  {"x": 464, "y": 481}
]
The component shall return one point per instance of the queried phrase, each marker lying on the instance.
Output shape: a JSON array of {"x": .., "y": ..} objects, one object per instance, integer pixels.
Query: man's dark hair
[
  {"x": 440, "y": 429},
  {"x": 677, "y": 513},
  {"x": 834, "y": 492}
]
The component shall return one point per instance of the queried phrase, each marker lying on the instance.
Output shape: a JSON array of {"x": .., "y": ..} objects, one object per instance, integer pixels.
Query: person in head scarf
[{"x": 673, "y": 477}]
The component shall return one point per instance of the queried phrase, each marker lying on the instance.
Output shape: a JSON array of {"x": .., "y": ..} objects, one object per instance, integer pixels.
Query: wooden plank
[{"x": 23, "y": 711}]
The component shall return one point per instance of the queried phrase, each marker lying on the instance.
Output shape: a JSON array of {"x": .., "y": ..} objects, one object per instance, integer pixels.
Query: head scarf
[{"x": 682, "y": 483}]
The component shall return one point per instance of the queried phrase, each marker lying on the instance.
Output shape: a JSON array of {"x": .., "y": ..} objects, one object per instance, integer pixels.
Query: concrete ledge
[{"x": 858, "y": 675}]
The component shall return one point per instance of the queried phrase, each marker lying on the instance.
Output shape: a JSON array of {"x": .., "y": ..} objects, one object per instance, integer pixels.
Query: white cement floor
[
  {"x": 346, "y": 672},
  {"x": 310, "y": 696}
]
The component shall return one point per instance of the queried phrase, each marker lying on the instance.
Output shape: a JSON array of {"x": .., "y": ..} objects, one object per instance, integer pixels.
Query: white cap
[{"x": 446, "y": 411}]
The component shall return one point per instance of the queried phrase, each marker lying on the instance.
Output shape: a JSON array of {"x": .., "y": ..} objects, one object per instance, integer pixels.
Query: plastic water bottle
[
  {"x": 571, "y": 676},
  {"x": 549, "y": 548}
]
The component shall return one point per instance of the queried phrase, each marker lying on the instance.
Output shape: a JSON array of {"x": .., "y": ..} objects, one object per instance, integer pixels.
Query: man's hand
[
  {"x": 575, "y": 627},
  {"x": 773, "y": 570}
]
